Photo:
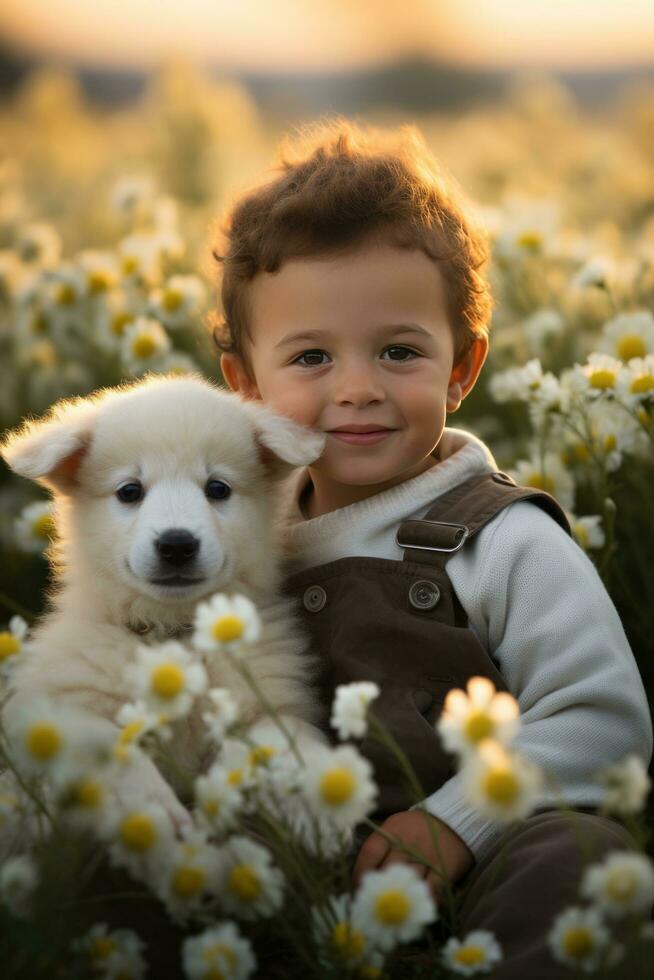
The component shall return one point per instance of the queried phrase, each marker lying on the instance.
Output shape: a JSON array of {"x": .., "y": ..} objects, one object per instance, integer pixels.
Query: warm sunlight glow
[{"x": 301, "y": 35}]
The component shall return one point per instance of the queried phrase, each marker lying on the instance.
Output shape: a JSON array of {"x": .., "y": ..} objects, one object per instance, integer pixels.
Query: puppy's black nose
[{"x": 176, "y": 546}]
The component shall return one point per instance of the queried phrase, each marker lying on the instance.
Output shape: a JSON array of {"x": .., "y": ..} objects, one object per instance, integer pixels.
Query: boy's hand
[{"x": 414, "y": 827}]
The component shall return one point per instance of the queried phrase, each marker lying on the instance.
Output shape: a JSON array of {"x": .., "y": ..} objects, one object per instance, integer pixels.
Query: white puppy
[{"x": 165, "y": 493}]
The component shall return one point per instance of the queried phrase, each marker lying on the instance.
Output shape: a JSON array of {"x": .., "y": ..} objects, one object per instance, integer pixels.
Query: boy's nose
[{"x": 358, "y": 387}]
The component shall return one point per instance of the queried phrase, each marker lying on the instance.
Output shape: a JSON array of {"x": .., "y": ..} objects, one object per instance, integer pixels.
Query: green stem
[{"x": 17, "y": 607}]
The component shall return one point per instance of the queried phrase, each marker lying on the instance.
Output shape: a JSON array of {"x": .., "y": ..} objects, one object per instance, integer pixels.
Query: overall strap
[{"x": 461, "y": 512}]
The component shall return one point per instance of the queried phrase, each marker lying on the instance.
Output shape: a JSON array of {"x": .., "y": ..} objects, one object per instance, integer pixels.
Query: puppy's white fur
[{"x": 173, "y": 434}]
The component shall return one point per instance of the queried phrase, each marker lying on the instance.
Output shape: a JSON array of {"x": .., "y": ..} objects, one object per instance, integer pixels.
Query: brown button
[
  {"x": 503, "y": 478},
  {"x": 314, "y": 598},
  {"x": 424, "y": 594}
]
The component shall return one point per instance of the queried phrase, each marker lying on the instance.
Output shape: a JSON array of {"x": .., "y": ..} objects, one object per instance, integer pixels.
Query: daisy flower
[
  {"x": 623, "y": 884},
  {"x": 551, "y": 476},
  {"x": 38, "y": 244},
  {"x": 116, "y": 310},
  {"x": 135, "y": 721},
  {"x": 35, "y": 527},
  {"x": 220, "y": 951},
  {"x": 99, "y": 271},
  {"x": 178, "y": 301},
  {"x": 223, "y": 714},
  {"x": 636, "y": 381},
  {"x": 83, "y": 800},
  {"x": 392, "y": 906},
  {"x": 587, "y": 531},
  {"x": 12, "y": 644},
  {"x": 18, "y": 882},
  {"x": 188, "y": 875},
  {"x": 139, "y": 260},
  {"x": 219, "y": 799},
  {"x": 627, "y": 785},
  {"x": 132, "y": 197},
  {"x": 225, "y": 622},
  {"x": 599, "y": 272},
  {"x": 338, "y": 785},
  {"x": 62, "y": 291},
  {"x": 140, "y": 838},
  {"x": 466, "y": 719},
  {"x": 504, "y": 786},
  {"x": 177, "y": 362},
  {"x": 478, "y": 952},
  {"x": 110, "y": 950},
  {"x": 143, "y": 344},
  {"x": 598, "y": 376},
  {"x": 334, "y": 932},
  {"x": 579, "y": 938},
  {"x": 540, "y": 326},
  {"x": 41, "y": 735},
  {"x": 248, "y": 883},
  {"x": 629, "y": 335},
  {"x": 166, "y": 678},
  {"x": 350, "y": 707}
]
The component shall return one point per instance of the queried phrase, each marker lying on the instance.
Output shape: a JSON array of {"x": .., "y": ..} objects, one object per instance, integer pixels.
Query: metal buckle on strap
[{"x": 430, "y": 547}]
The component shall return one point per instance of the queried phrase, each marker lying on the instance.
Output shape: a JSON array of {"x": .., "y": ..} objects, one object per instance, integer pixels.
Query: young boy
[{"x": 355, "y": 302}]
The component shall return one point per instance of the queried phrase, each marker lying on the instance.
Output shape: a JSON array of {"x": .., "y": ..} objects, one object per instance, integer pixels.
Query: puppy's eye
[
  {"x": 217, "y": 490},
  {"x": 130, "y": 493}
]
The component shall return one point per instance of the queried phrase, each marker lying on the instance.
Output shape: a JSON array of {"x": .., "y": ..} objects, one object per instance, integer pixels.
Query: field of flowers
[{"x": 106, "y": 225}]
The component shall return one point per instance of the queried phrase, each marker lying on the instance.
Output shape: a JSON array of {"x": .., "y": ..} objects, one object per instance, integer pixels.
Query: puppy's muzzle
[{"x": 177, "y": 547}]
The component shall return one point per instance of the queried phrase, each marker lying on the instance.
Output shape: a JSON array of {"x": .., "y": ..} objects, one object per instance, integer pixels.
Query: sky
[{"x": 301, "y": 35}]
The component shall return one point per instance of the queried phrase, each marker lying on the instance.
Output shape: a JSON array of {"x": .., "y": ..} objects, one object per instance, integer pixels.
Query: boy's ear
[
  {"x": 50, "y": 450},
  {"x": 465, "y": 373},
  {"x": 236, "y": 374},
  {"x": 283, "y": 443}
]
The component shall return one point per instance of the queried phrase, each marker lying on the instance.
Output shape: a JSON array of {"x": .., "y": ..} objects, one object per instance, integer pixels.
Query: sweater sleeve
[{"x": 537, "y": 603}]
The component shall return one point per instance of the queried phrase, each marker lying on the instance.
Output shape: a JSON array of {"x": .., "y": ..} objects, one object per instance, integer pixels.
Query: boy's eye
[{"x": 319, "y": 353}]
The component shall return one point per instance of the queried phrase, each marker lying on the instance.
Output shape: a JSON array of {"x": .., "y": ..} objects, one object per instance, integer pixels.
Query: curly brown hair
[{"x": 336, "y": 187}]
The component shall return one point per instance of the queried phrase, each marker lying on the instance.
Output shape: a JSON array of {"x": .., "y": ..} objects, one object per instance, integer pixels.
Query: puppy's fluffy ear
[
  {"x": 284, "y": 443},
  {"x": 50, "y": 450}
]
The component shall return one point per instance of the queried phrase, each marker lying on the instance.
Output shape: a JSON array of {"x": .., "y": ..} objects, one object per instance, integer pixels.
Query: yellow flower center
[
  {"x": 129, "y": 265},
  {"x": 501, "y": 786},
  {"x": 349, "y": 942},
  {"x": 582, "y": 452},
  {"x": 188, "y": 882},
  {"x": 9, "y": 645},
  {"x": 43, "y": 527},
  {"x": 212, "y": 953},
  {"x": 261, "y": 754},
  {"x": 602, "y": 379},
  {"x": 392, "y": 907},
  {"x": 119, "y": 321},
  {"x": 244, "y": 882},
  {"x": 337, "y": 786},
  {"x": 470, "y": 955},
  {"x": 43, "y": 740},
  {"x": 172, "y": 299},
  {"x": 102, "y": 947},
  {"x": 143, "y": 345},
  {"x": 610, "y": 442},
  {"x": 641, "y": 385},
  {"x": 235, "y": 777},
  {"x": 631, "y": 345},
  {"x": 228, "y": 628},
  {"x": 99, "y": 282},
  {"x": 65, "y": 294},
  {"x": 88, "y": 794},
  {"x": 578, "y": 942},
  {"x": 167, "y": 680},
  {"x": 621, "y": 886},
  {"x": 39, "y": 323},
  {"x": 540, "y": 481},
  {"x": 138, "y": 832},
  {"x": 531, "y": 241},
  {"x": 581, "y": 534},
  {"x": 478, "y": 725},
  {"x": 211, "y": 807}
]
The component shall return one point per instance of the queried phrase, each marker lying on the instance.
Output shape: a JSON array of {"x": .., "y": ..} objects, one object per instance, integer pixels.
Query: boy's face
[{"x": 373, "y": 349}]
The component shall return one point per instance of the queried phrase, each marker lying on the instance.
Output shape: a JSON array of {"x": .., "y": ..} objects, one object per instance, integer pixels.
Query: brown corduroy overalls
[{"x": 400, "y": 624}]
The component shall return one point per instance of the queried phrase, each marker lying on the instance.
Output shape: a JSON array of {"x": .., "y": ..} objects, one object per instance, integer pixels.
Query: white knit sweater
[{"x": 536, "y": 603}]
